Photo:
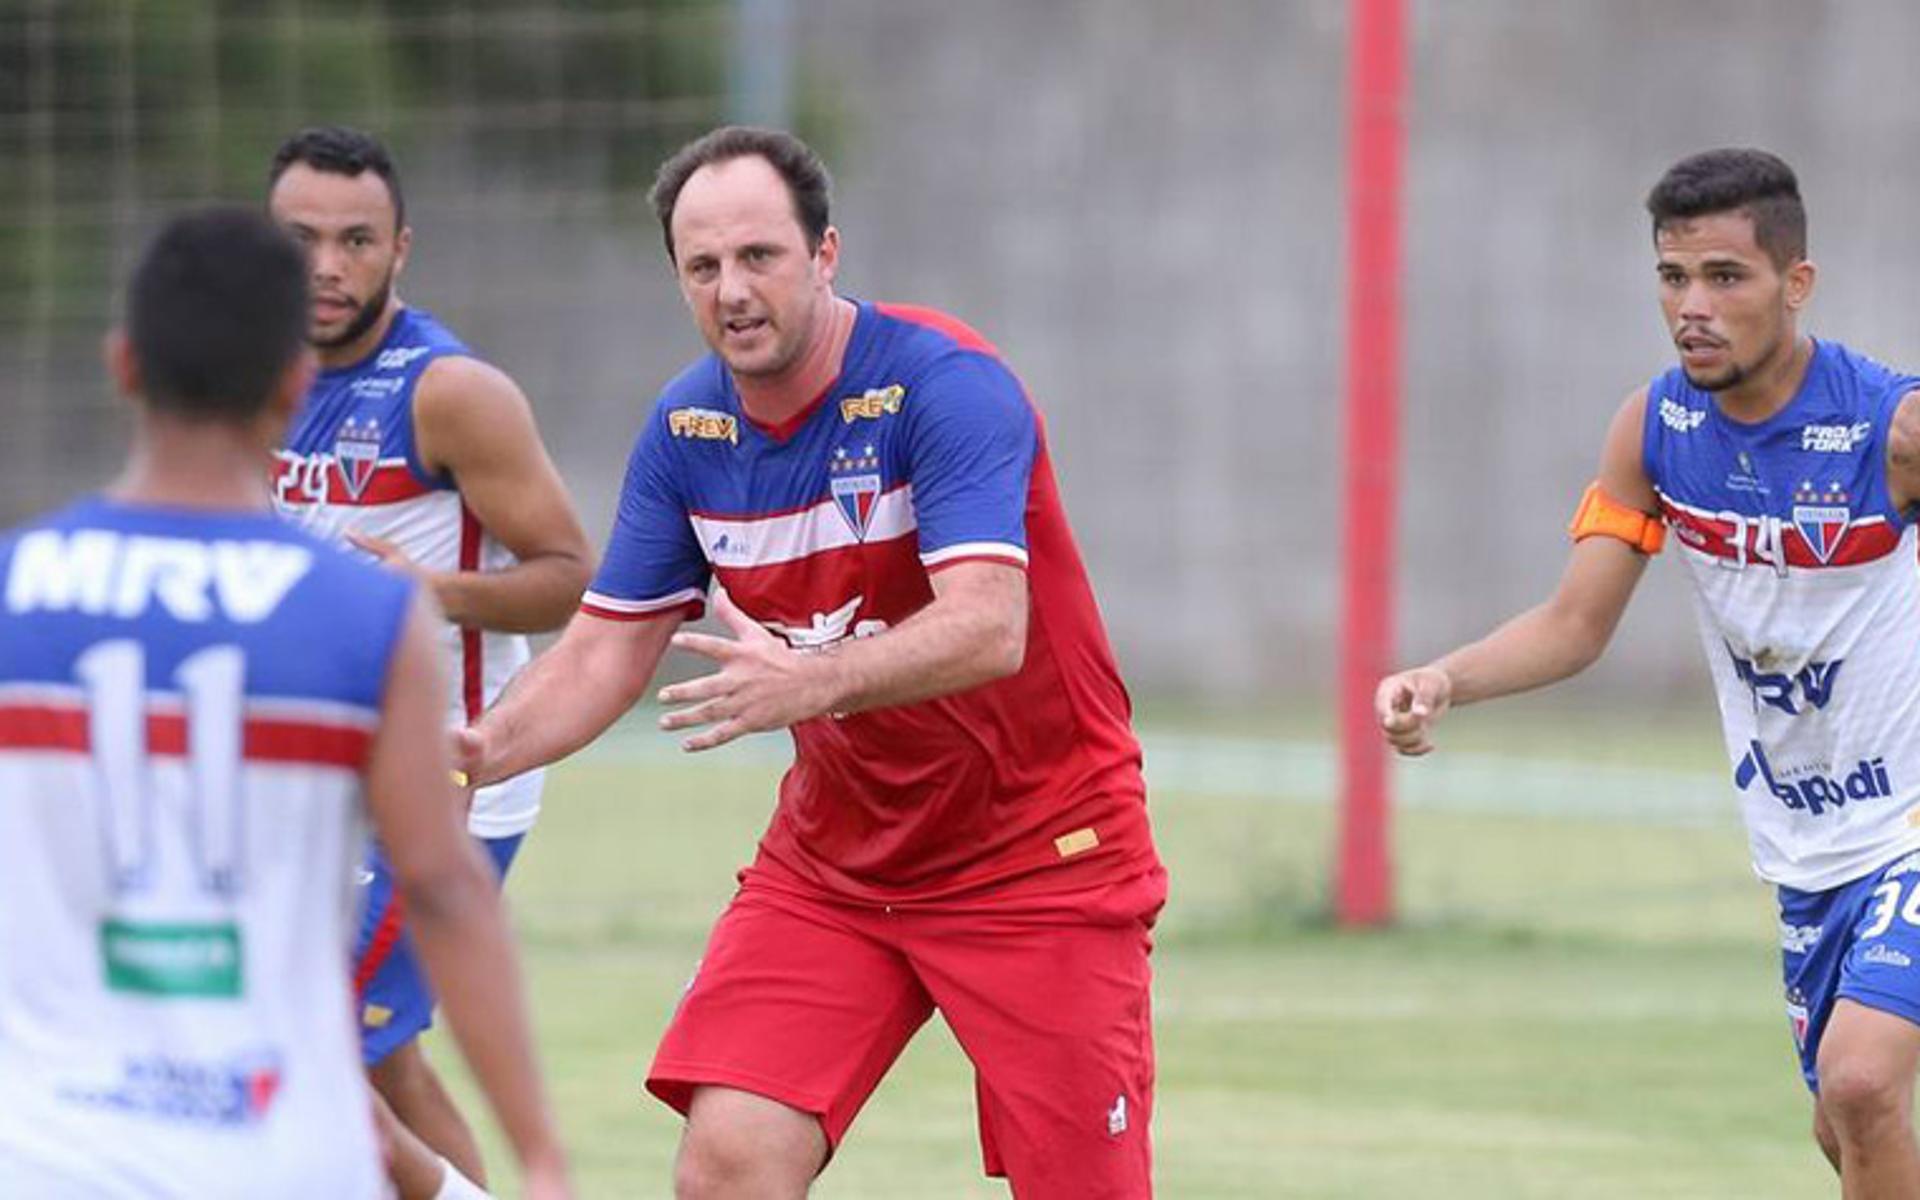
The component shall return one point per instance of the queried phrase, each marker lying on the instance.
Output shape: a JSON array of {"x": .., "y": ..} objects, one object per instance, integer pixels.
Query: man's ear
[
  {"x": 123, "y": 366},
  {"x": 1800, "y": 280},
  {"x": 827, "y": 257}
]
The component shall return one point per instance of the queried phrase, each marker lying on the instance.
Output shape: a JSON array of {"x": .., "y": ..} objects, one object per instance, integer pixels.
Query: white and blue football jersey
[
  {"x": 187, "y": 703},
  {"x": 351, "y": 465},
  {"x": 1808, "y": 594}
]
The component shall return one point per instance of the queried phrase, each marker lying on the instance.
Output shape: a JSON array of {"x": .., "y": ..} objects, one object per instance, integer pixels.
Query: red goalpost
[{"x": 1376, "y": 94}]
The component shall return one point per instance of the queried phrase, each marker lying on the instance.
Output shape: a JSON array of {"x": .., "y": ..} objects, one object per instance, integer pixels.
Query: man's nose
[
  {"x": 733, "y": 288},
  {"x": 1696, "y": 302},
  {"x": 324, "y": 262}
]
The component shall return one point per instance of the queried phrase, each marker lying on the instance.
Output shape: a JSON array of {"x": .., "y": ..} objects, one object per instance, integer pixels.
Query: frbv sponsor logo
[
  {"x": 1814, "y": 792},
  {"x": 704, "y": 425},
  {"x": 1814, "y": 682},
  {"x": 872, "y": 404}
]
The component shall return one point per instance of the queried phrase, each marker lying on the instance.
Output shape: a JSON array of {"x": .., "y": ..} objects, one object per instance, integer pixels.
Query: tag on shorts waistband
[{"x": 1078, "y": 842}]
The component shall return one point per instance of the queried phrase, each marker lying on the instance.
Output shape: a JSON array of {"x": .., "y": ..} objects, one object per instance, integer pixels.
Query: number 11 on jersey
[{"x": 163, "y": 954}]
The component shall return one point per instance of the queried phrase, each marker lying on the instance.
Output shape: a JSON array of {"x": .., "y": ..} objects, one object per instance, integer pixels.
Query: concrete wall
[{"x": 1140, "y": 202}]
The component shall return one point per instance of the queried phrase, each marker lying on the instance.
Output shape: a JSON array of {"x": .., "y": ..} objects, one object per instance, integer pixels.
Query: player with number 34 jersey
[{"x": 1787, "y": 469}]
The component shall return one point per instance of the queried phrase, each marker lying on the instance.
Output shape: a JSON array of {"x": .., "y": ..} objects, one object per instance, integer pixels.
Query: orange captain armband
[{"x": 1600, "y": 515}]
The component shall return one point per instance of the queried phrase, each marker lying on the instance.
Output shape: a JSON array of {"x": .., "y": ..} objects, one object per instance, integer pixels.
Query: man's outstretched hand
[{"x": 762, "y": 683}]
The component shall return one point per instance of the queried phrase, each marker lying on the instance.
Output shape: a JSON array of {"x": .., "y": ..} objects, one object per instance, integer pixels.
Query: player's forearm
[
  {"x": 532, "y": 596},
  {"x": 556, "y": 704},
  {"x": 940, "y": 650},
  {"x": 459, "y": 925},
  {"x": 1540, "y": 646}
]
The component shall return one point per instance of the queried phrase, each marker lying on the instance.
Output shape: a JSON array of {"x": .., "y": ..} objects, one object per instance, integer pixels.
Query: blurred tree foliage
[{"x": 112, "y": 108}]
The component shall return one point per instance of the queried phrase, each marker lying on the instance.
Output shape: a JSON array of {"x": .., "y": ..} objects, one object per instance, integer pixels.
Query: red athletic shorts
[{"x": 808, "y": 1001}]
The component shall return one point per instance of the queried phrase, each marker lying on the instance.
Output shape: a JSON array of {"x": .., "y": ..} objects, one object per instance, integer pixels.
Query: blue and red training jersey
[{"x": 924, "y": 453}]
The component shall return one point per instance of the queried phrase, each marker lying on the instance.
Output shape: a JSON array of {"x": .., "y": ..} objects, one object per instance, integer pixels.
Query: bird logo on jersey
[
  {"x": 356, "y": 452},
  {"x": 855, "y": 481},
  {"x": 1822, "y": 517}
]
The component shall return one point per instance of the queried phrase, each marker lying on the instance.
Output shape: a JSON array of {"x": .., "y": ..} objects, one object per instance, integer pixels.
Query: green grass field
[{"x": 1573, "y": 1005}]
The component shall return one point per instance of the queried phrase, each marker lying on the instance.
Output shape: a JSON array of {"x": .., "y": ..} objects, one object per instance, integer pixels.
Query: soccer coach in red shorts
[{"x": 964, "y": 825}]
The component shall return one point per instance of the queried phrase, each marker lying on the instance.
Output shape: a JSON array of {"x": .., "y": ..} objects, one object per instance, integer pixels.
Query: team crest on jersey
[
  {"x": 872, "y": 404},
  {"x": 1822, "y": 517},
  {"x": 356, "y": 451},
  {"x": 855, "y": 481}
]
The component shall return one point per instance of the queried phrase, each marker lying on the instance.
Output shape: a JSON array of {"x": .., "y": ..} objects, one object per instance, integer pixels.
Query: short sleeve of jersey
[
  {"x": 653, "y": 564},
  {"x": 972, "y": 441}
]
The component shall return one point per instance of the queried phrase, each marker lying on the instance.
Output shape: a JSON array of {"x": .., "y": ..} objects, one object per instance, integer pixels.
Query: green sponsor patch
[{"x": 171, "y": 959}]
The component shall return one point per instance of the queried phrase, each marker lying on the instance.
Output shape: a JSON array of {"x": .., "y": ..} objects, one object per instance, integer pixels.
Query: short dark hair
[
  {"x": 215, "y": 311},
  {"x": 339, "y": 150},
  {"x": 1753, "y": 182},
  {"x": 806, "y": 176}
]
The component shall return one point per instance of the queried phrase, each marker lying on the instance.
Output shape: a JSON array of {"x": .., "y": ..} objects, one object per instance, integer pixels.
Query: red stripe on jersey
[
  {"x": 42, "y": 727},
  {"x": 771, "y": 514},
  {"x": 932, "y": 318},
  {"x": 167, "y": 734},
  {"x": 390, "y": 483},
  {"x": 473, "y": 675},
  {"x": 263, "y": 739},
  {"x": 270, "y": 740},
  {"x": 1863, "y": 542}
]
